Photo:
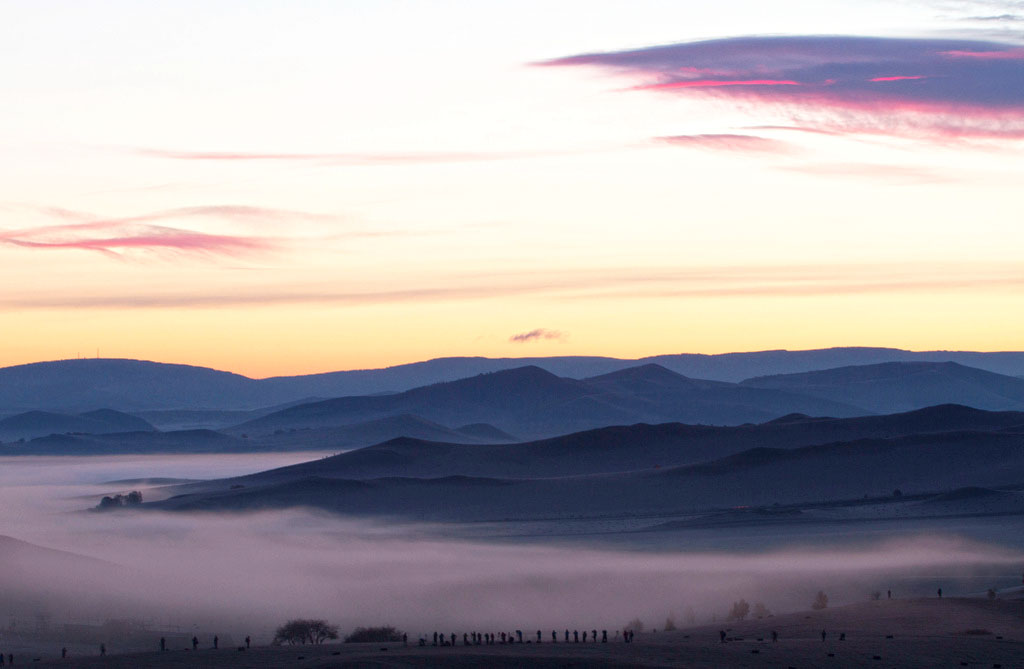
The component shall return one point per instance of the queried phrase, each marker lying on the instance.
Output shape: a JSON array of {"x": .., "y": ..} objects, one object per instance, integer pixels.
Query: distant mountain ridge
[
  {"x": 132, "y": 385},
  {"x": 903, "y": 386},
  {"x": 531, "y": 402},
  {"x": 33, "y": 424}
]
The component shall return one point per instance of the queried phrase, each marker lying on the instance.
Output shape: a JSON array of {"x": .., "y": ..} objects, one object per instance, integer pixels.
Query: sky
[{"x": 283, "y": 188}]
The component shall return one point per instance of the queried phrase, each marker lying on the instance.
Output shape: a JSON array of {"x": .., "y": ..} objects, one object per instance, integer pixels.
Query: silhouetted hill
[
  {"x": 371, "y": 432},
  {"x": 903, "y": 386},
  {"x": 185, "y": 441},
  {"x": 33, "y": 424},
  {"x": 629, "y": 448},
  {"x": 758, "y": 477},
  {"x": 531, "y": 402},
  {"x": 135, "y": 385},
  {"x": 80, "y": 385}
]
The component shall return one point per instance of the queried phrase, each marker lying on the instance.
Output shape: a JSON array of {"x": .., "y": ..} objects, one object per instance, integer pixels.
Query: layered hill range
[
  {"x": 520, "y": 404},
  {"x": 947, "y": 460},
  {"x": 76, "y": 386}
]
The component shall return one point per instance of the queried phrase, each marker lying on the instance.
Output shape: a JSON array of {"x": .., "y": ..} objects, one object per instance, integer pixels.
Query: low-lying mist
[{"x": 245, "y": 574}]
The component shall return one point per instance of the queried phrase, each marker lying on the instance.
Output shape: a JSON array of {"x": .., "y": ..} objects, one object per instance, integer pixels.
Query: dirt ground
[{"x": 922, "y": 633}]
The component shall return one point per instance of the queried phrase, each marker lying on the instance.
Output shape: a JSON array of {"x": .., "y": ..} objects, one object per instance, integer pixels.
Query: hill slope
[{"x": 903, "y": 386}]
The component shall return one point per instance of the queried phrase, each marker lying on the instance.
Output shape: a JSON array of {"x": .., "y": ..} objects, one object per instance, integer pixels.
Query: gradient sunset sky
[{"x": 283, "y": 188}]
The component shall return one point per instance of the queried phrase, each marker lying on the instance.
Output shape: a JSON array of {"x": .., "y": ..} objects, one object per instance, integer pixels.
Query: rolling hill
[
  {"x": 33, "y": 424},
  {"x": 531, "y": 402},
  {"x": 647, "y": 468},
  {"x": 903, "y": 386},
  {"x": 757, "y": 477},
  {"x": 134, "y": 385}
]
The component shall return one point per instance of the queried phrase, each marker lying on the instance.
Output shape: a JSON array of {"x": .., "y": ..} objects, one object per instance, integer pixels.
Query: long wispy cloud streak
[
  {"x": 601, "y": 284},
  {"x": 729, "y": 142},
  {"x": 926, "y": 88},
  {"x": 114, "y": 237}
]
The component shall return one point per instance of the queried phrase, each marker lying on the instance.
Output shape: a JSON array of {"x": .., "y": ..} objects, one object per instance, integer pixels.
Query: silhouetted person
[
  {"x": 538, "y": 636},
  {"x": 593, "y": 635},
  {"x": 63, "y": 653},
  {"x": 502, "y": 637},
  {"x": 435, "y": 638},
  {"x": 405, "y": 640},
  {"x": 567, "y": 636},
  {"x": 940, "y": 593},
  {"x": 575, "y": 636},
  {"x": 453, "y": 639},
  {"x": 842, "y": 636},
  {"x": 604, "y": 636},
  {"x": 584, "y": 636},
  {"x": 465, "y": 639},
  {"x": 721, "y": 636},
  {"x": 554, "y": 636},
  {"x": 103, "y": 650},
  {"x": 247, "y": 642},
  {"x": 163, "y": 644},
  {"x": 889, "y": 593},
  {"x": 519, "y": 635},
  {"x": 216, "y": 640},
  {"x": 775, "y": 636},
  {"x": 822, "y": 635},
  {"x": 195, "y": 643}
]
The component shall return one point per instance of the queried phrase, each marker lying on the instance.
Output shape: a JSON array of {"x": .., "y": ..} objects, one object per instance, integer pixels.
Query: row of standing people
[{"x": 490, "y": 639}]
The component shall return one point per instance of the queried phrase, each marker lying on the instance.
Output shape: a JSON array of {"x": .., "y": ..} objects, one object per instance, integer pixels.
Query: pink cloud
[
  {"x": 1008, "y": 54},
  {"x": 715, "y": 83},
  {"x": 729, "y": 142},
  {"x": 898, "y": 78},
  {"x": 959, "y": 89},
  {"x": 113, "y": 237}
]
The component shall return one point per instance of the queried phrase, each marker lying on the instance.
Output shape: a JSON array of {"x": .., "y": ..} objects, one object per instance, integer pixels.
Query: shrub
[
  {"x": 374, "y": 635},
  {"x": 739, "y": 610},
  {"x": 305, "y": 631},
  {"x": 761, "y": 611},
  {"x": 820, "y": 601},
  {"x": 876, "y": 595},
  {"x": 670, "y": 622}
]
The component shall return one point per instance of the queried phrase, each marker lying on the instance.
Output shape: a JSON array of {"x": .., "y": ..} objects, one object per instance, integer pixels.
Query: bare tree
[
  {"x": 739, "y": 610},
  {"x": 820, "y": 601}
]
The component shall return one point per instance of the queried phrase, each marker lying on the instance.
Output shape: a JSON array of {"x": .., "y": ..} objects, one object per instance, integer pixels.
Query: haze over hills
[
  {"x": 625, "y": 448},
  {"x": 531, "y": 402},
  {"x": 33, "y": 424},
  {"x": 645, "y": 469},
  {"x": 133, "y": 385},
  {"x": 758, "y": 477},
  {"x": 902, "y": 386}
]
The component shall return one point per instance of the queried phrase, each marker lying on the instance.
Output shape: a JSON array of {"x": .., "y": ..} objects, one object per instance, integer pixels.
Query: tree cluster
[
  {"x": 134, "y": 498},
  {"x": 305, "y": 631},
  {"x": 374, "y": 635}
]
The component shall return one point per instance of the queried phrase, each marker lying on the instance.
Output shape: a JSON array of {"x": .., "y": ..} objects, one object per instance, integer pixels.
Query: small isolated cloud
[
  {"x": 536, "y": 335},
  {"x": 729, "y": 142},
  {"x": 934, "y": 89}
]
